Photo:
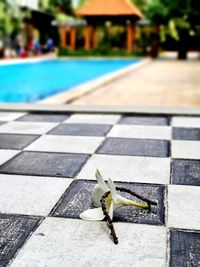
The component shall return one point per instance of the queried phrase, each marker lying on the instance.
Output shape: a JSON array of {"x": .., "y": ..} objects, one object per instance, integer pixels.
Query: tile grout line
[{"x": 167, "y": 200}]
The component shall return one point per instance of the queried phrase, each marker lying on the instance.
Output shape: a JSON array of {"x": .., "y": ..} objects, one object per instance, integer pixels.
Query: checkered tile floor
[{"x": 47, "y": 167}]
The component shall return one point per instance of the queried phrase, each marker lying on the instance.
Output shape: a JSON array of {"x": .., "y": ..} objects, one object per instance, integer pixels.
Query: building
[{"x": 119, "y": 12}]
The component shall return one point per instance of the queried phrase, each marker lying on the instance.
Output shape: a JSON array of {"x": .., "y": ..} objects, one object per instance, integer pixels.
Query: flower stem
[
  {"x": 108, "y": 219},
  {"x": 148, "y": 201}
]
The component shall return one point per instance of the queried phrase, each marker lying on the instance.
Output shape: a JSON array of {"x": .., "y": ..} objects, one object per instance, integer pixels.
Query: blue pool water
[{"x": 30, "y": 82}]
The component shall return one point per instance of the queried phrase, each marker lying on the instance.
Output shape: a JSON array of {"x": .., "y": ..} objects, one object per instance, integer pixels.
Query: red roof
[{"x": 109, "y": 8}]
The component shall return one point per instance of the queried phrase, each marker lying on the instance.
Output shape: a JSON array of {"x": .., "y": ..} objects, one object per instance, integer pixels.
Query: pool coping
[
  {"x": 37, "y": 59},
  {"x": 187, "y": 111},
  {"x": 66, "y": 97}
]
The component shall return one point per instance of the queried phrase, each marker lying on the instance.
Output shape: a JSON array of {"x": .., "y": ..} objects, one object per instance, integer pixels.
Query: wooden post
[
  {"x": 130, "y": 37},
  {"x": 87, "y": 36},
  {"x": 62, "y": 32},
  {"x": 73, "y": 38},
  {"x": 134, "y": 36},
  {"x": 94, "y": 37}
]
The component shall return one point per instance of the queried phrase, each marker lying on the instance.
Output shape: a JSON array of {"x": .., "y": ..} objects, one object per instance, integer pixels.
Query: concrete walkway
[{"x": 164, "y": 82}]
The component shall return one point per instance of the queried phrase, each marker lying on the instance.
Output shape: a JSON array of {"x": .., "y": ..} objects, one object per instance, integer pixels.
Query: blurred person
[
  {"x": 23, "y": 52},
  {"x": 50, "y": 45},
  {"x": 30, "y": 46},
  {"x": 37, "y": 48},
  {"x": 7, "y": 53}
]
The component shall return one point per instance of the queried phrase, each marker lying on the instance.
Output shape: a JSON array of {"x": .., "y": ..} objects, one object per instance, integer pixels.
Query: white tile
[
  {"x": 193, "y": 122},
  {"x": 21, "y": 127},
  {"x": 130, "y": 169},
  {"x": 10, "y": 116},
  {"x": 93, "y": 118},
  {"x": 134, "y": 131},
  {"x": 184, "y": 208},
  {"x": 186, "y": 149},
  {"x": 6, "y": 154},
  {"x": 80, "y": 243},
  {"x": 71, "y": 144},
  {"x": 30, "y": 195}
]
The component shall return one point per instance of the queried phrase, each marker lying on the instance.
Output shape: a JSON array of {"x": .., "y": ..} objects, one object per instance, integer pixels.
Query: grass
[{"x": 66, "y": 52}]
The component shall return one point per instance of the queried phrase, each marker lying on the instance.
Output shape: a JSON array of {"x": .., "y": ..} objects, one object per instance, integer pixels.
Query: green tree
[
  {"x": 156, "y": 11},
  {"x": 82, "y": 2},
  {"x": 54, "y": 6},
  {"x": 141, "y": 4},
  {"x": 182, "y": 15},
  {"x": 11, "y": 19}
]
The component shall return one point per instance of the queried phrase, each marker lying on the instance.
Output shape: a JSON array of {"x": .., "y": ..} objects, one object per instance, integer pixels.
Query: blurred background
[
  {"x": 164, "y": 30},
  {"x": 177, "y": 24}
]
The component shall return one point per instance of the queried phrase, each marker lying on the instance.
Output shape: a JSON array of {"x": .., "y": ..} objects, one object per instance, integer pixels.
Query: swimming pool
[{"x": 33, "y": 81}]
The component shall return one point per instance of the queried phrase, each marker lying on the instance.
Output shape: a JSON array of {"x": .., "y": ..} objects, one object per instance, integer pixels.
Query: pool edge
[
  {"x": 100, "y": 109},
  {"x": 76, "y": 92}
]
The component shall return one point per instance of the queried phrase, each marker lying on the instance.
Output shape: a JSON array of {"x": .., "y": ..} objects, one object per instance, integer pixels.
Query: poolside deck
[
  {"x": 165, "y": 82},
  {"x": 47, "y": 165}
]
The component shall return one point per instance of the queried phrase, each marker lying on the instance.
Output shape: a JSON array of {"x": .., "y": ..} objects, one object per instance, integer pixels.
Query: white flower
[{"x": 112, "y": 202}]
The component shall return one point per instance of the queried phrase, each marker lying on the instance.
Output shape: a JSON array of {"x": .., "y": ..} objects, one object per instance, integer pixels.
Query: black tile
[
  {"x": 135, "y": 147},
  {"x": 186, "y": 133},
  {"x": 14, "y": 231},
  {"x": 16, "y": 141},
  {"x": 145, "y": 120},
  {"x": 44, "y": 117},
  {"x": 184, "y": 249},
  {"x": 186, "y": 172},
  {"x": 78, "y": 198},
  {"x": 45, "y": 164},
  {"x": 81, "y": 129}
]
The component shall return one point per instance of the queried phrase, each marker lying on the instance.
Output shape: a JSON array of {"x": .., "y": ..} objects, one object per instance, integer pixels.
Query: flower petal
[
  {"x": 110, "y": 213},
  {"x": 101, "y": 181},
  {"x": 93, "y": 215},
  {"x": 112, "y": 189},
  {"x": 97, "y": 194},
  {"x": 122, "y": 201}
]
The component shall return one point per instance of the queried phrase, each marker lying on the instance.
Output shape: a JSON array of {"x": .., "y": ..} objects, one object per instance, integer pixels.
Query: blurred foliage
[
  {"x": 111, "y": 37},
  {"x": 176, "y": 19},
  {"x": 55, "y": 6},
  {"x": 60, "y": 9},
  {"x": 11, "y": 19},
  {"x": 101, "y": 51},
  {"x": 197, "y": 28},
  {"x": 62, "y": 17},
  {"x": 185, "y": 14},
  {"x": 141, "y": 4},
  {"x": 156, "y": 11},
  {"x": 82, "y": 2}
]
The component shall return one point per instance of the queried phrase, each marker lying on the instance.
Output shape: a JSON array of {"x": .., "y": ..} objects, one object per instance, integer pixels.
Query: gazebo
[
  {"x": 97, "y": 12},
  {"x": 67, "y": 30}
]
